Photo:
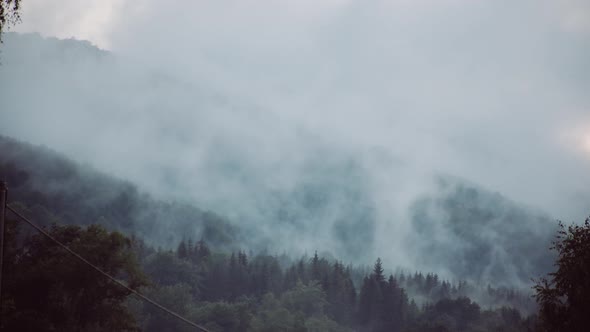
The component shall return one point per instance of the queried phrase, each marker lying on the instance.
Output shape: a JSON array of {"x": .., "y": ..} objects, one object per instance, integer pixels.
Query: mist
[{"x": 329, "y": 126}]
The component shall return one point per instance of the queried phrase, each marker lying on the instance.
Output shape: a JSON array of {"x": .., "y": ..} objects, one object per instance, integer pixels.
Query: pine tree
[
  {"x": 181, "y": 251},
  {"x": 190, "y": 249},
  {"x": 315, "y": 267},
  {"x": 378, "y": 271}
]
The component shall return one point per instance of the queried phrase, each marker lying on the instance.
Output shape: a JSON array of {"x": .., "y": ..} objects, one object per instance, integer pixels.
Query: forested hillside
[
  {"x": 458, "y": 229},
  {"x": 56, "y": 189},
  {"x": 214, "y": 161},
  {"x": 203, "y": 271},
  {"x": 49, "y": 290},
  {"x": 481, "y": 235}
]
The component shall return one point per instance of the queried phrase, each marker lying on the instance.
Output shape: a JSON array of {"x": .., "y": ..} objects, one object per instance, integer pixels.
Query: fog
[{"x": 322, "y": 125}]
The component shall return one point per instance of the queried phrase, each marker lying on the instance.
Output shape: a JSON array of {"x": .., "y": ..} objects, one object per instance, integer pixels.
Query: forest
[
  {"x": 46, "y": 289},
  {"x": 206, "y": 279}
]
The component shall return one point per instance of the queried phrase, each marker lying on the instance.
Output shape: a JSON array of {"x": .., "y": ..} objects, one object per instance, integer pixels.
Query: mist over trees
[
  {"x": 206, "y": 273},
  {"x": 450, "y": 218},
  {"x": 183, "y": 140},
  {"x": 337, "y": 166},
  {"x": 51, "y": 291},
  {"x": 63, "y": 190},
  {"x": 497, "y": 240}
]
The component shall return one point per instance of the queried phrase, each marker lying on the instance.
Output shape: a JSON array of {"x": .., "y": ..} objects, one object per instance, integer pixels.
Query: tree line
[{"x": 49, "y": 290}]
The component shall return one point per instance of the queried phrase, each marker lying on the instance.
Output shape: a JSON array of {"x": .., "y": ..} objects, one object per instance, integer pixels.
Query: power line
[{"x": 99, "y": 270}]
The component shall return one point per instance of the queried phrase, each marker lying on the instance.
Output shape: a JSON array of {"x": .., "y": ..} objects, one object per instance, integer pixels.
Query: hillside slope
[{"x": 56, "y": 189}]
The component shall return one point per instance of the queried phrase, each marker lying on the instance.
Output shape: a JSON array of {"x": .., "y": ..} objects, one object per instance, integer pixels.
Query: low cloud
[{"x": 246, "y": 107}]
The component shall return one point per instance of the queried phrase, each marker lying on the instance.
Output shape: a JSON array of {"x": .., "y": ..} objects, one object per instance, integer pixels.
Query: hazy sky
[
  {"x": 100, "y": 20},
  {"x": 506, "y": 81},
  {"x": 495, "y": 92}
]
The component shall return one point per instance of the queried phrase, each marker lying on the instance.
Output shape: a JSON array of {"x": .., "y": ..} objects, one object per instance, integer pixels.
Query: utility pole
[{"x": 3, "y": 194}]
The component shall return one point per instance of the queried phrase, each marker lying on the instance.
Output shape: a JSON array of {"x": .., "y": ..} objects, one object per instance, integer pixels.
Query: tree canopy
[
  {"x": 9, "y": 14},
  {"x": 564, "y": 297},
  {"x": 48, "y": 289}
]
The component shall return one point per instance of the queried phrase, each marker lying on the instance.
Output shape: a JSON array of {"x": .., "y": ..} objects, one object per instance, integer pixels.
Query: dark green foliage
[
  {"x": 460, "y": 314},
  {"x": 564, "y": 298},
  {"x": 231, "y": 292},
  {"x": 298, "y": 309},
  {"x": 48, "y": 289},
  {"x": 223, "y": 316},
  {"x": 433, "y": 288},
  {"x": 378, "y": 271},
  {"x": 382, "y": 303},
  {"x": 175, "y": 297},
  {"x": 165, "y": 269},
  {"x": 9, "y": 14},
  {"x": 341, "y": 295},
  {"x": 182, "y": 251},
  {"x": 274, "y": 317}
]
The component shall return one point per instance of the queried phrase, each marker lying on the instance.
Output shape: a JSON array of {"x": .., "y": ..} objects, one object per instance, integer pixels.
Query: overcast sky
[
  {"x": 496, "y": 91},
  {"x": 101, "y": 20}
]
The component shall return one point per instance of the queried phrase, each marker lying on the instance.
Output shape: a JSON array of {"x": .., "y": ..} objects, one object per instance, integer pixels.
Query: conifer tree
[{"x": 182, "y": 251}]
